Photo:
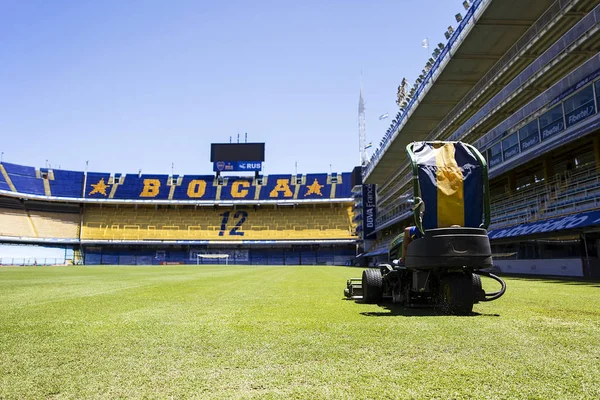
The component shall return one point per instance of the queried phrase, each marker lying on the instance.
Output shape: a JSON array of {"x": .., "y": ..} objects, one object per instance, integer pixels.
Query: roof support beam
[
  {"x": 456, "y": 82},
  {"x": 442, "y": 102},
  {"x": 472, "y": 56},
  {"x": 578, "y": 14},
  {"x": 506, "y": 22}
]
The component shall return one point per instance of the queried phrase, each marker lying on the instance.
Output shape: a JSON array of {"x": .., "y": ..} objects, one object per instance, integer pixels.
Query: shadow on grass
[{"x": 395, "y": 310}]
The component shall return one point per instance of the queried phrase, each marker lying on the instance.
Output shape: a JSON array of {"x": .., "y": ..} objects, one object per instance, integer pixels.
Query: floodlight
[
  {"x": 458, "y": 17},
  {"x": 466, "y": 4}
]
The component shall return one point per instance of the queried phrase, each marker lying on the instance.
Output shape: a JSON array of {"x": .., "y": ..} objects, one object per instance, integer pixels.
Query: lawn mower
[{"x": 443, "y": 267}]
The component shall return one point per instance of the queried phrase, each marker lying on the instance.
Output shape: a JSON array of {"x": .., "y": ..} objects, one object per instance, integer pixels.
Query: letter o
[{"x": 196, "y": 188}]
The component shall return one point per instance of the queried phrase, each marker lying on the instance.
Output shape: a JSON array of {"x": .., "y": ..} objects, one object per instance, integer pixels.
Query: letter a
[{"x": 283, "y": 185}]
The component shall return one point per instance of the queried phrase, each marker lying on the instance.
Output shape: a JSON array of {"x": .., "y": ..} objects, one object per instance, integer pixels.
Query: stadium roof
[{"x": 498, "y": 25}]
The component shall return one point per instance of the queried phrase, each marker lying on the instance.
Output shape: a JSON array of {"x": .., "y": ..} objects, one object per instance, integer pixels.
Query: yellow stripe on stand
[
  {"x": 450, "y": 194},
  {"x": 7, "y": 178},
  {"x": 47, "y": 190}
]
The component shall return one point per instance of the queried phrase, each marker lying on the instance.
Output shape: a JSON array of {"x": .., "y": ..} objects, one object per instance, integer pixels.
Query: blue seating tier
[
  {"x": 25, "y": 179},
  {"x": 66, "y": 183},
  {"x": 63, "y": 183}
]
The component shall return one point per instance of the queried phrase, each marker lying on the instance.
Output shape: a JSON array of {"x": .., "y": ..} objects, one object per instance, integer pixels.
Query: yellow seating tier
[
  {"x": 149, "y": 223},
  {"x": 38, "y": 224}
]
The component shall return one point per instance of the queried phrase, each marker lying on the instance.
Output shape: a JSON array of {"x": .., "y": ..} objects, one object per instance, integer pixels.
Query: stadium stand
[
  {"x": 249, "y": 223},
  {"x": 65, "y": 183},
  {"x": 112, "y": 218},
  {"x": 25, "y": 179},
  {"x": 38, "y": 220},
  {"x": 533, "y": 112},
  {"x": 567, "y": 193}
]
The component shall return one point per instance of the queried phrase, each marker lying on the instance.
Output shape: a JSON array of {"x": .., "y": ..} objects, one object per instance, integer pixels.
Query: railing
[
  {"x": 33, "y": 261},
  {"x": 567, "y": 194}
]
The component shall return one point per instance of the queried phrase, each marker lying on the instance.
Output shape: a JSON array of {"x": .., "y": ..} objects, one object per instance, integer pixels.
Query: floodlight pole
[{"x": 85, "y": 178}]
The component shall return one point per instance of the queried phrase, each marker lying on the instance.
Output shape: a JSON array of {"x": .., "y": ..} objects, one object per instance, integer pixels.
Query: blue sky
[{"x": 134, "y": 85}]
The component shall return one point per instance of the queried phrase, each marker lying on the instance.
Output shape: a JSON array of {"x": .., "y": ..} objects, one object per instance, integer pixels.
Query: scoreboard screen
[{"x": 237, "y": 152}]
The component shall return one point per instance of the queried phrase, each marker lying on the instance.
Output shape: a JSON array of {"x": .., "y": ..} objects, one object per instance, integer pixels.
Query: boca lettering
[
  {"x": 238, "y": 193},
  {"x": 283, "y": 185},
  {"x": 196, "y": 188},
  {"x": 151, "y": 188}
]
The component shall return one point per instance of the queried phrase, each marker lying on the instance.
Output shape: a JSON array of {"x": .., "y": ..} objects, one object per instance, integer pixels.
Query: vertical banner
[{"x": 369, "y": 211}]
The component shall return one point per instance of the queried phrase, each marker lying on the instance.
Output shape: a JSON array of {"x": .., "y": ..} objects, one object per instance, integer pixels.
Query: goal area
[{"x": 211, "y": 258}]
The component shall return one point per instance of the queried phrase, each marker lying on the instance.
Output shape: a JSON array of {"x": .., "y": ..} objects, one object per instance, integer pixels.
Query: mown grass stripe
[{"x": 283, "y": 332}]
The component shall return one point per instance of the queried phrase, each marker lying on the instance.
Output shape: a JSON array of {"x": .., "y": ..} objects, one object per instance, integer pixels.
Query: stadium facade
[
  {"x": 162, "y": 219},
  {"x": 521, "y": 82}
]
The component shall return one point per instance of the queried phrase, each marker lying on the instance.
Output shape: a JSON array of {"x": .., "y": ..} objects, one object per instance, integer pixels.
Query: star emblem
[
  {"x": 99, "y": 187},
  {"x": 315, "y": 188}
]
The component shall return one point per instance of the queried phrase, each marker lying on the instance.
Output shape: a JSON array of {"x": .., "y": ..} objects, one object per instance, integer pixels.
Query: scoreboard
[
  {"x": 237, "y": 152},
  {"x": 237, "y": 156}
]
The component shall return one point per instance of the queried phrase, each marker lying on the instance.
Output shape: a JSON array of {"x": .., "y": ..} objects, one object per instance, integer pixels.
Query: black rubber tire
[
  {"x": 478, "y": 292},
  {"x": 456, "y": 294},
  {"x": 372, "y": 284}
]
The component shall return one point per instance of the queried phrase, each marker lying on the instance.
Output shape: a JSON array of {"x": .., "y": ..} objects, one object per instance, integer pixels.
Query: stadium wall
[{"x": 238, "y": 255}]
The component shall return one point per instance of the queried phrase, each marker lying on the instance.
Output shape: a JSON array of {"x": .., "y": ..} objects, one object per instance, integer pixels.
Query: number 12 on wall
[{"x": 240, "y": 216}]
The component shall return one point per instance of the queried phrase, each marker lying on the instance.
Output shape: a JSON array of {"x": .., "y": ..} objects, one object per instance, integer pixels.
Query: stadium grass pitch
[{"x": 283, "y": 332}]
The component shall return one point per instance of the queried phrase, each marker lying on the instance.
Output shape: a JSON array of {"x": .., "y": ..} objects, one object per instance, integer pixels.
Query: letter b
[{"x": 151, "y": 188}]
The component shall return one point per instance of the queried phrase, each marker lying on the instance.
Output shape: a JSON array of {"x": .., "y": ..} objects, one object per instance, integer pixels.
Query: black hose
[{"x": 493, "y": 295}]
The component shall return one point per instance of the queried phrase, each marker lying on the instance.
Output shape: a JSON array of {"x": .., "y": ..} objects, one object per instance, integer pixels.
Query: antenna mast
[{"x": 362, "y": 134}]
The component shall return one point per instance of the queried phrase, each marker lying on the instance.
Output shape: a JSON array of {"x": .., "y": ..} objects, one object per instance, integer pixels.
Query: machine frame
[{"x": 443, "y": 269}]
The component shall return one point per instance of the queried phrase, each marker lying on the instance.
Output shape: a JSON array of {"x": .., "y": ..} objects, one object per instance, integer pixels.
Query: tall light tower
[{"x": 362, "y": 134}]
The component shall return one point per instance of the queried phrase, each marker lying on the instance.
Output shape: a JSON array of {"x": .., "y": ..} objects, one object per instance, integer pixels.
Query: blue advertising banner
[
  {"x": 369, "y": 211},
  {"x": 551, "y": 225},
  {"x": 225, "y": 166},
  {"x": 576, "y": 86}
]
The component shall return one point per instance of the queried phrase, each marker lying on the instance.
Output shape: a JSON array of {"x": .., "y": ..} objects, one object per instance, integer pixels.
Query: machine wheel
[
  {"x": 478, "y": 293},
  {"x": 456, "y": 294},
  {"x": 372, "y": 284}
]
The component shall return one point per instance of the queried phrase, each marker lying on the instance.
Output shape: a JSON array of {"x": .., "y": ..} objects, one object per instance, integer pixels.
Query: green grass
[{"x": 283, "y": 332}]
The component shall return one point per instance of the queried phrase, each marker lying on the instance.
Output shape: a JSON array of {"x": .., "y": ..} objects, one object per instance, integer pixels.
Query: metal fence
[{"x": 33, "y": 261}]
